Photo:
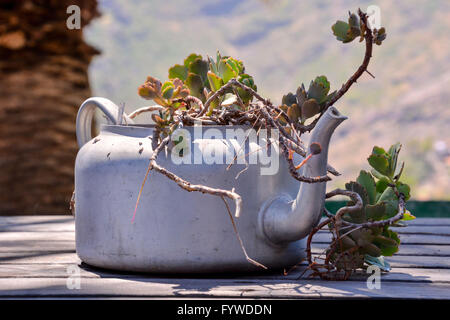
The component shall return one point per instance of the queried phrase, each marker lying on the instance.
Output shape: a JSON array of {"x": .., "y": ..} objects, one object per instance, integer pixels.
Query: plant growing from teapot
[
  {"x": 361, "y": 233},
  {"x": 218, "y": 91}
]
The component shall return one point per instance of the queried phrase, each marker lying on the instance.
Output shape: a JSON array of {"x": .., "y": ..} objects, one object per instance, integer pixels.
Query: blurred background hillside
[
  {"x": 284, "y": 43},
  {"x": 47, "y": 70}
]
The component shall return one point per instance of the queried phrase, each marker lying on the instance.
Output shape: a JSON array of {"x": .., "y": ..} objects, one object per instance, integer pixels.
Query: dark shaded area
[{"x": 43, "y": 80}]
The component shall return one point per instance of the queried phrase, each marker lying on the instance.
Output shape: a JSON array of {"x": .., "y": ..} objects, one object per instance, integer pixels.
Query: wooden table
[{"x": 37, "y": 254}]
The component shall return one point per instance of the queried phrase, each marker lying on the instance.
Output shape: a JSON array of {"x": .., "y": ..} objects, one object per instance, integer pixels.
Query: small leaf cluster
[
  {"x": 354, "y": 28},
  {"x": 205, "y": 77},
  {"x": 306, "y": 104},
  {"x": 378, "y": 190},
  {"x": 166, "y": 94},
  {"x": 200, "y": 78}
]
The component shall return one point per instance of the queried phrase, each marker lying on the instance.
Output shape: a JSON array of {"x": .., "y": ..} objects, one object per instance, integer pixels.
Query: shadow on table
[{"x": 265, "y": 284}]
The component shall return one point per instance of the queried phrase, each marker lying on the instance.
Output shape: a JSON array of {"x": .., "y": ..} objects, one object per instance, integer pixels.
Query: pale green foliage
[{"x": 380, "y": 202}]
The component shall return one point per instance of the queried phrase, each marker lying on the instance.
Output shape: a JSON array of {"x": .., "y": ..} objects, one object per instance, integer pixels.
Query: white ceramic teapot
[{"x": 176, "y": 231}]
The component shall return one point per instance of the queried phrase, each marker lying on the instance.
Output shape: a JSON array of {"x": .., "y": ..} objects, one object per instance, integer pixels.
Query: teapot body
[{"x": 175, "y": 231}]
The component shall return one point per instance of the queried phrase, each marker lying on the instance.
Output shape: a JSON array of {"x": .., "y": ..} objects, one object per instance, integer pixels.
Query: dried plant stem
[
  {"x": 137, "y": 112},
  {"x": 239, "y": 237},
  {"x": 368, "y": 36},
  {"x": 301, "y": 164},
  {"x": 187, "y": 185}
]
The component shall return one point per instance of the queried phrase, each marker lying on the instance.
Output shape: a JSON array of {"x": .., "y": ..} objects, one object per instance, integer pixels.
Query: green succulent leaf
[
  {"x": 167, "y": 93},
  {"x": 294, "y": 112},
  {"x": 378, "y": 175},
  {"x": 248, "y": 81},
  {"x": 341, "y": 30},
  {"x": 191, "y": 58},
  {"x": 371, "y": 250},
  {"x": 390, "y": 199},
  {"x": 354, "y": 24},
  {"x": 318, "y": 89},
  {"x": 347, "y": 243},
  {"x": 378, "y": 150},
  {"x": 199, "y": 67},
  {"x": 385, "y": 241},
  {"x": 366, "y": 180},
  {"x": 301, "y": 95},
  {"x": 195, "y": 85},
  {"x": 360, "y": 215},
  {"x": 359, "y": 189},
  {"x": 389, "y": 250},
  {"x": 382, "y": 183},
  {"x": 405, "y": 189},
  {"x": 236, "y": 65},
  {"x": 362, "y": 237},
  {"x": 328, "y": 98},
  {"x": 407, "y": 216},
  {"x": 167, "y": 84},
  {"x": 393, "y": 152},
  {"x": 376, "y": 212},
  {"x": 309, "y": 109},
  {"x": 212, "y": 65},
  {"x": 380, "y": 35},
  {"x": 380, "y": 163},
  {"x": 215, "y": 81},
  {"x": 289, "y": 99},
  {"x": 226, "y": 71},
  {"x": 178, "y": 71}
]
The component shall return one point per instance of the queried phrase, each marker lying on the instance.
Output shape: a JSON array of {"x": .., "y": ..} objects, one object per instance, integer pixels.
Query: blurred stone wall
[{"x": 43, "y": 81}]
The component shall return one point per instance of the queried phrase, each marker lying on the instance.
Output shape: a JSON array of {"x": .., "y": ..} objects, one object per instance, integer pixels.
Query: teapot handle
[{"x": 87, "y": 111}]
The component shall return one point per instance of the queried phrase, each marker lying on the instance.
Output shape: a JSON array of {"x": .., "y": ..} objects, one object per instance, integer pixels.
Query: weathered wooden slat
[
  {"x": 405, "y": 249},
  {"x": 396, "y": 274},
  {"x": 55, "y": 226},
  {"x": 419, "y": 262},
  {"x": 319, "y": 237},
  {"x": 60, "y": 270},
  {"x": 40, "y": 223},
  {"x": 414, "y": 229},
  {"x": 419, "y": 230},
  {"x": 35, "y": 246},
  {"x": 145, "y": 287},
  {"x": 36, "y": 236},
  {"x": 39, "y": 257},
  {"x": 35, "y": 252},
  {"x": 429, "y": 222},
  {"x": 64, "y": 252},
  {"x": 22, "y": 248},
  {"x": 325, "y": 237},
  {"x": 4, "y": 220}
]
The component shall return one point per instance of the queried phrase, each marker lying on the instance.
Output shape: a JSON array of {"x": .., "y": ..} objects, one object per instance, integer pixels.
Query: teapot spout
[{"x": 284, "y": 219}]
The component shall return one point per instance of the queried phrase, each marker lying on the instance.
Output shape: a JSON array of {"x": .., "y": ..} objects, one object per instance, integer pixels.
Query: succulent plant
[
  {"x": 193, "y": 73},
  {"x": 306, "y": 104},
  {"x": 379, "y": 35},
  {"x": 204, "y": 77},
  {"x": 165, "y": 93},
  {"x": 377, "y": 190},
  {"x": 349, "y": 31}
]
